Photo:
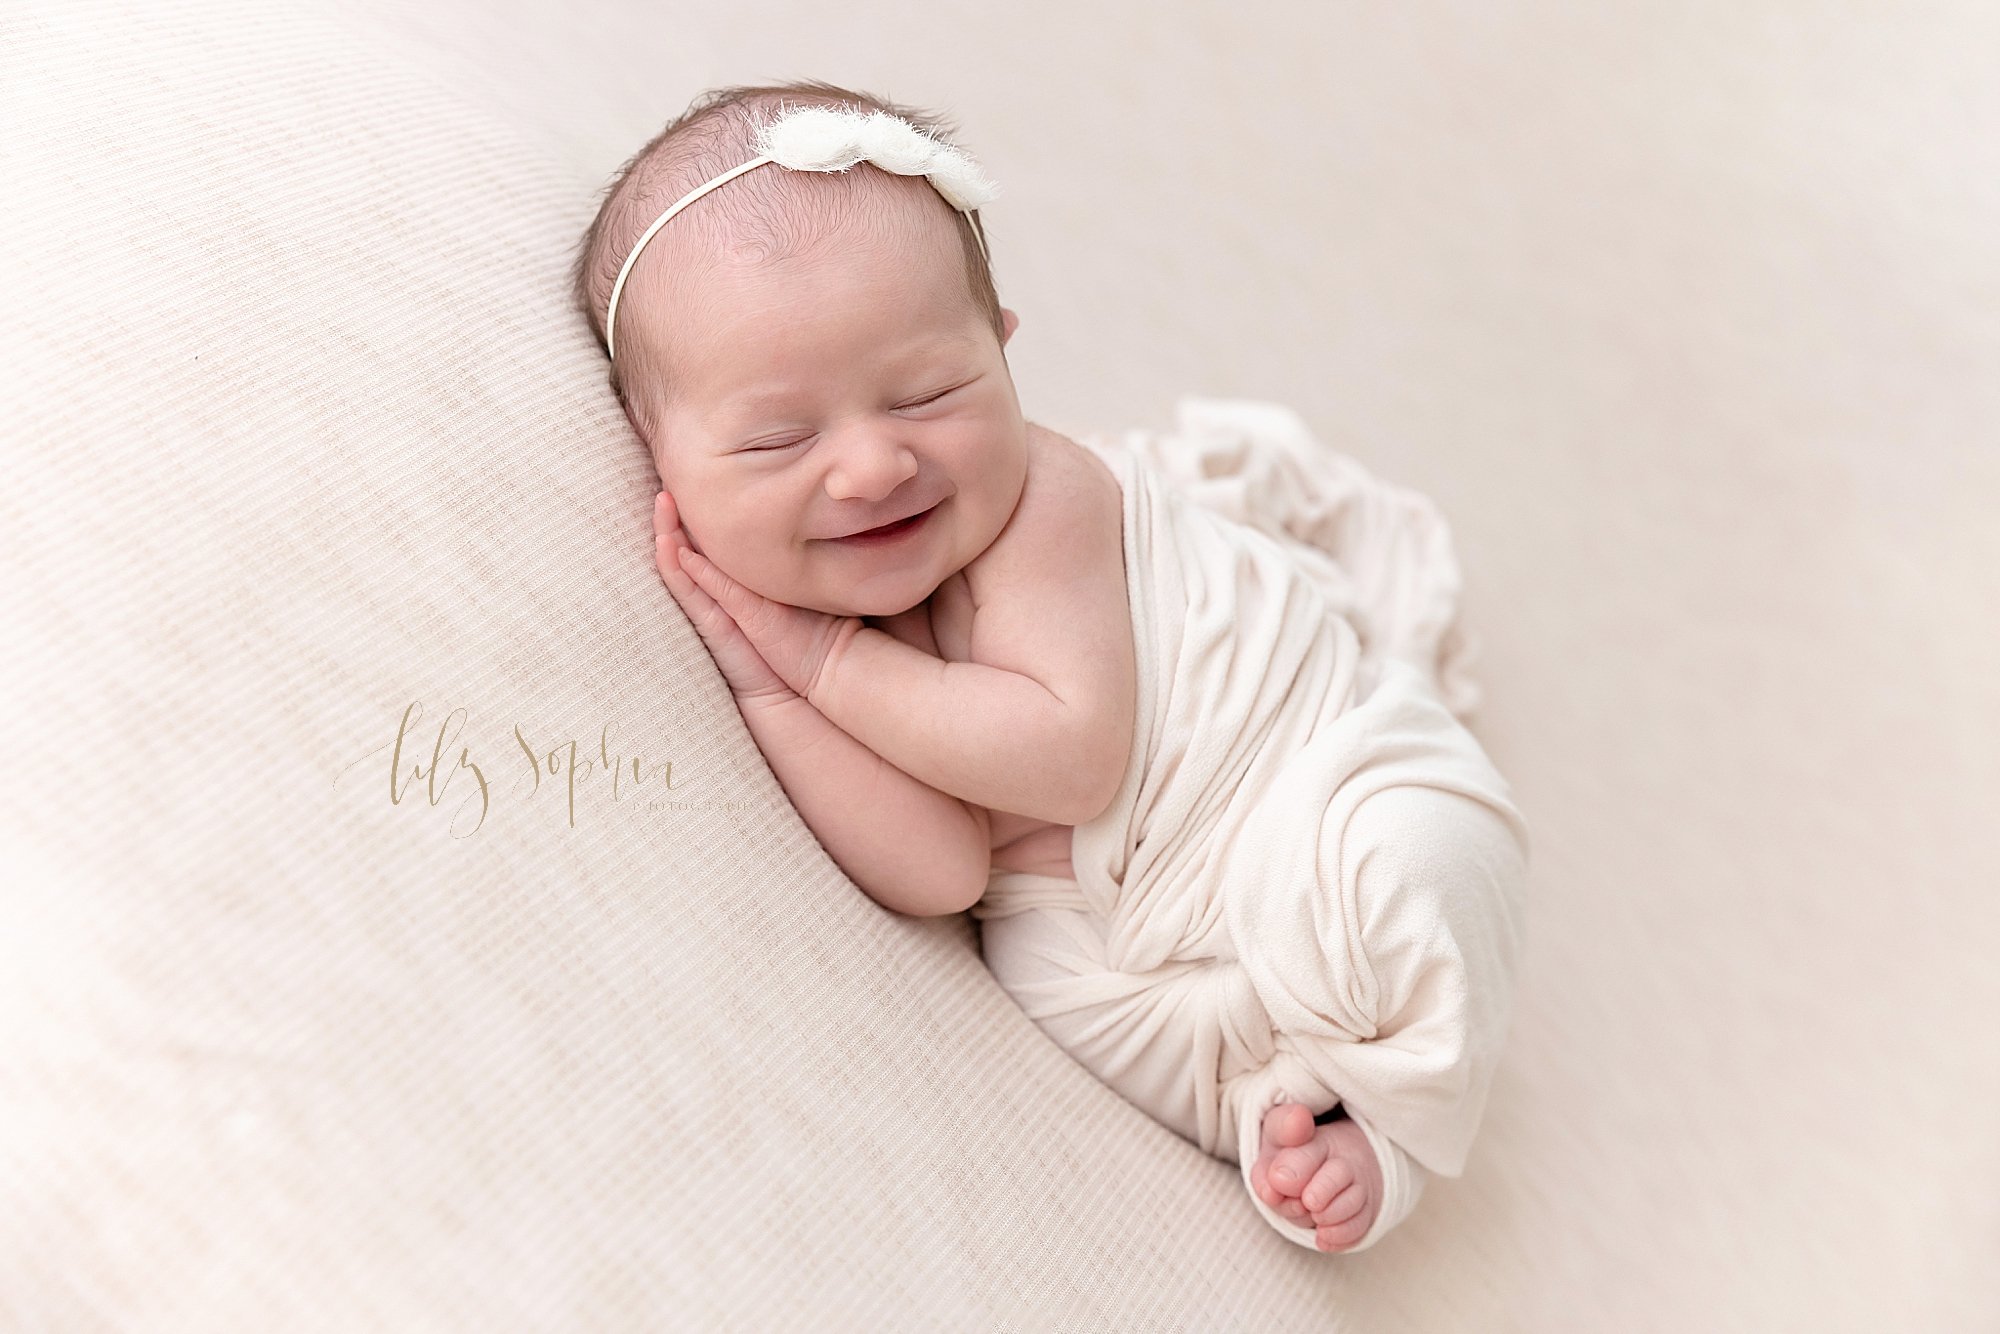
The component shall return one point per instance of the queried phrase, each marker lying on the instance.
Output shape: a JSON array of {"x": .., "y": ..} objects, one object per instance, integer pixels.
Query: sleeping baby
[{"x": 1166, "y": 714}]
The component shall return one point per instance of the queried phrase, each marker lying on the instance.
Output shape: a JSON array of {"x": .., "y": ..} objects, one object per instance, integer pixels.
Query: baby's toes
[
  {"x": 1285, "y": 1201},
  {"x": 1291, "y": 1169},
  {"x": 1342, "y": 1236},
  {"x": 1333, "y": 1177}
]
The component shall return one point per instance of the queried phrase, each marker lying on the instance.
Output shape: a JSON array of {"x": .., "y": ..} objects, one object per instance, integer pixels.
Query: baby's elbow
[
  {"x": 1096, "y": 800},
  {"x": 962, "y": 883},
  {"x": 972, "y": 884},
  {"x": 1078, "y": 808},
  {"x": 1098, "y": 778}
]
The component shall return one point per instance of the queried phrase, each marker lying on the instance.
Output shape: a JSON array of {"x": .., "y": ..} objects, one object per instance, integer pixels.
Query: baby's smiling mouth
[{"x": 895, "y": 528}]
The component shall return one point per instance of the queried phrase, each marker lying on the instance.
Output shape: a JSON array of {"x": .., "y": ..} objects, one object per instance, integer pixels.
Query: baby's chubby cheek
[{"x": 689, "y": 518}]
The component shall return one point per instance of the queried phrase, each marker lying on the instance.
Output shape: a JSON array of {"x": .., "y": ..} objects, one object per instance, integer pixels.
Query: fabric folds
[{"x": 1310, "y": 886}]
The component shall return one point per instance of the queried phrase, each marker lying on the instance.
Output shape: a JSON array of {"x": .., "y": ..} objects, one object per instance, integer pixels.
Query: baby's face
[{"x": 832, "y": 393}]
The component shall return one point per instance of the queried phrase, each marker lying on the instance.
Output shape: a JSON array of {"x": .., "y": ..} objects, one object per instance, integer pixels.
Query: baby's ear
[{"x": 1009, "y": 322}]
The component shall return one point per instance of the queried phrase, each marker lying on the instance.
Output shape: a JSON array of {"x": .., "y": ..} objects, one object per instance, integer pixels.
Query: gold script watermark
[{"x": 439, "y": 766}]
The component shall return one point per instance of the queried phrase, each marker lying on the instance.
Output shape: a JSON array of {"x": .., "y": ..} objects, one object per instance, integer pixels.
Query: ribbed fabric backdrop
[
  {"x": 1682, "y": 311},
  {"x": 313, "y": 439}
]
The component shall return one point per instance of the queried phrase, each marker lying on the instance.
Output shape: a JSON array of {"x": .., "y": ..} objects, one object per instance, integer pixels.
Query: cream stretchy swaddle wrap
[{"x": 1311, "y": 886}]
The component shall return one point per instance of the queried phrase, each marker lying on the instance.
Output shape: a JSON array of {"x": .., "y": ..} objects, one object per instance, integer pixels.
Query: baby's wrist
[
  {"x": 821, "y": 686},
  {"x": 779, "y": 696}
]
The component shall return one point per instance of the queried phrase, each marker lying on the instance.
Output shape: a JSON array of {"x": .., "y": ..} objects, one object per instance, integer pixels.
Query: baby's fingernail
[{"x": 1287, "y": 1174}]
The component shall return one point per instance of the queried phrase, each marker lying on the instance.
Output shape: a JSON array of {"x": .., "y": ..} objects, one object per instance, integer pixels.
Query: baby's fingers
[
  {"x": 667, "y": 540},
  {"x": 667, "y": 557},
  {"x": 705, "y": 613},
  {"x": 708, "y": 616},
  {"x": 731, "y": 596}
]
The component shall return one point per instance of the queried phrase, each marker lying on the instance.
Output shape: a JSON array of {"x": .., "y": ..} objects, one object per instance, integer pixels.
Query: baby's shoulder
[
  {"x": 1048, "y": 596},
  {"x": 1071, "y": 508}
]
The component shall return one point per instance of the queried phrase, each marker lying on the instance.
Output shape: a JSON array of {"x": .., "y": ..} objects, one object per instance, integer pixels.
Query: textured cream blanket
[{"x": 1310, "y": 887}]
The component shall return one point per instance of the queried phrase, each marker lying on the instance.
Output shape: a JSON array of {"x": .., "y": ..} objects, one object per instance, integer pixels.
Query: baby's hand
[{"x": 767, "y": 650}]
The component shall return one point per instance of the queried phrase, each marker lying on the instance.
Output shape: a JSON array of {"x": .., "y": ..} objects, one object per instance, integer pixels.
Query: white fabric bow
[{"x": 821, "y": 138}]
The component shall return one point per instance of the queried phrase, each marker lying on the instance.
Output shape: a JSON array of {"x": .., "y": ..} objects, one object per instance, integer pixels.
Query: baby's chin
[
  {"x": 889, "y": 592},
  {"x": 879, "y": 607}
]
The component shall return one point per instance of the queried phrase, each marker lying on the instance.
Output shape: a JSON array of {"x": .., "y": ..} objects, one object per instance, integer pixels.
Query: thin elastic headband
[{"x": 821, "y": 138}]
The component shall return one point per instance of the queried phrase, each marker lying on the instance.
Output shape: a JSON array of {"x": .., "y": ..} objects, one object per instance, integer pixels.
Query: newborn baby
[{"x": 918, "y": 599}]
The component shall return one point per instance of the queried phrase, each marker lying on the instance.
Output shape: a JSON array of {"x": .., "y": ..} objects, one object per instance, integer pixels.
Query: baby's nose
[{"x": 869, "y": 467}]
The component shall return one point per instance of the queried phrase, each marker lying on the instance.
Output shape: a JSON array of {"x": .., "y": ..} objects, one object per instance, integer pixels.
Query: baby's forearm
[
  {"x": 912, "y": 848},
  {"x": 993, "y": 737}
]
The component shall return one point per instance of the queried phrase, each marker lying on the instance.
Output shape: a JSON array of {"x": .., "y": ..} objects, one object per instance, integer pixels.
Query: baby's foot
[{"x": 1321, "y": 1176}]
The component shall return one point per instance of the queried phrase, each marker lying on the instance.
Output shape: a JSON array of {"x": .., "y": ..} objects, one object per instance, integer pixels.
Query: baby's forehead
[
  {"x": 696, "y": 292},
  {"x": 843, "y": 314}
]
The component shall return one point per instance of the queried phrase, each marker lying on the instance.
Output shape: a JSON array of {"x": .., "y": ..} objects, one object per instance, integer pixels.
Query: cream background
[{"x": 1688, "y": 316}]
